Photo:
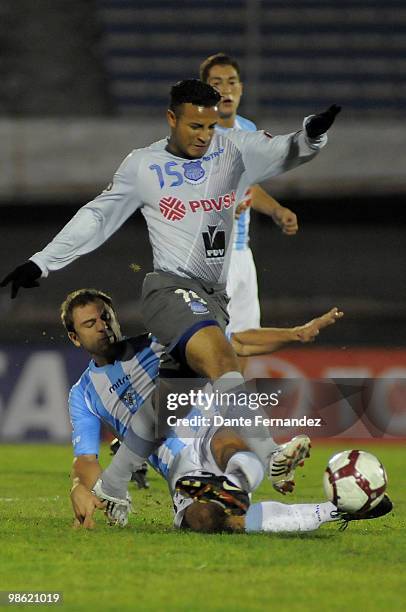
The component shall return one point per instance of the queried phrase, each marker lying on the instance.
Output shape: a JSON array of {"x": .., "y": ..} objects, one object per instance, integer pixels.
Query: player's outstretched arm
[
  {"x": 264, "y": 203},
  {"x": 25, "y": 275},
  {"x": 309, "y": 331},
  {"x": 85, "y": 471},
  {"x": 269, "y": 339},
  {"x": 265, "y": 156},
  {"x": 92, "y": 225}
]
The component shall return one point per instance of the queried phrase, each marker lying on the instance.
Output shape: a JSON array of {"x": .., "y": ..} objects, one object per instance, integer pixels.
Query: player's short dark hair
[
  {"x": 81, "y": 297},
  {"x": 206, "y": 518},
  {"x": 193, "y": 91},
  {"x": 218, "y": 59}
]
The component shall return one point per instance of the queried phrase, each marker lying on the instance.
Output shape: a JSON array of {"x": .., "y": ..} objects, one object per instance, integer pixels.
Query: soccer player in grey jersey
[{"x": 186, "y": 188}]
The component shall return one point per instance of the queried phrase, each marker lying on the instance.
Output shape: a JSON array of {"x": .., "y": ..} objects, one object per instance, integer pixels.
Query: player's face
[
  {"x": 96, "y": 328},
  {"x": 226, "y": 80},
  {"x": 192, "y": 130}
]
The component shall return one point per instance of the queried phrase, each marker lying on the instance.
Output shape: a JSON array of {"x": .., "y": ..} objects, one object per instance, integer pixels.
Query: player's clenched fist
[
  {"x": 23, "y": 276},
  {"x": 286, "y": 219},
  {"x": 319, "y": 124}
]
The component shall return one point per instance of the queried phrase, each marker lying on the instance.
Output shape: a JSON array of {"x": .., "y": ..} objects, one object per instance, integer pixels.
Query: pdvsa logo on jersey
[
  {"x": 194, "y": 172},
  {"x": 208, "y": 205},
  {"x": 172, "y": 208}
]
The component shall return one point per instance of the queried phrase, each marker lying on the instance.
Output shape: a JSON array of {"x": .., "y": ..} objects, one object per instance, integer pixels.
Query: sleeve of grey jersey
[
  {"x": 265, "y": 156},
  {"x": 95, "y": 222}
]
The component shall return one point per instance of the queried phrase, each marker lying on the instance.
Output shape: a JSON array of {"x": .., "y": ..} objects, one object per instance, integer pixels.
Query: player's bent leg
[
  {"x": 235, "y": 459},
  {"x": 138, "y": 443},
  {"x": 209, "y": 353},
  {"x": 139, "y": 476},
  {"x": 275, "y": 517}
]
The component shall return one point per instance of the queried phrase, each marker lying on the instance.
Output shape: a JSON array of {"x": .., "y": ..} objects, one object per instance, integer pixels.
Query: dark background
[{"x": 115, "y": 59}]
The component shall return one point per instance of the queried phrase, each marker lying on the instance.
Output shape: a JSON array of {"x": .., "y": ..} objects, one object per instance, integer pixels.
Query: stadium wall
[
  {"x": 44, "y": 159},
  {"x": 35, "y": 381}
]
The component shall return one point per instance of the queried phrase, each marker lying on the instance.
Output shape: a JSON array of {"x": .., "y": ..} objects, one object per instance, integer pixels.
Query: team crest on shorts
[
  {"x": 196, "y": 304},
  {"x": 194, "y": 173}
]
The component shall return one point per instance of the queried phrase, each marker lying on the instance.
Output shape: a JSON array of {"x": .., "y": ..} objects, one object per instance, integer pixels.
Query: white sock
[
  {"x": 139, "y": 442},
  {"x": 257, "y": 437},
  {"x": 275, "y": 517},
  {"x": 228, "y": 381},
  {"x": 245, "y": 470}
]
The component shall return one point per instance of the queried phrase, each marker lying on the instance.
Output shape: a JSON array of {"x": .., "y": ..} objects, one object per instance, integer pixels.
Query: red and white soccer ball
[{"x": 354, "y": 481}]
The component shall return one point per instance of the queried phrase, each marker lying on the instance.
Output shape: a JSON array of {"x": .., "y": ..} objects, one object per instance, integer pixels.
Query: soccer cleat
[
  {"x": 117, "y": 510},
  {"x": 216, "y": 489},
  {"x": 114, "y": 446},
  {"x": 138, "y": 476},
  {"x": 285, "y": 460},
  {"x": 384, "y": 507}
]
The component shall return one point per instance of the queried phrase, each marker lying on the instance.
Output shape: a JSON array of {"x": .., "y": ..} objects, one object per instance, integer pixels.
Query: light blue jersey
[
  {"x": 113, "y": 393},
  {"x": 242, "y": 224}
]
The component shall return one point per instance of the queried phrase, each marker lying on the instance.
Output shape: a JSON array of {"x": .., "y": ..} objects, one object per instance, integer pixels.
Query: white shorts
[
  {"x": 242, "y": 289},
  {"x": 196, "y": 458}
]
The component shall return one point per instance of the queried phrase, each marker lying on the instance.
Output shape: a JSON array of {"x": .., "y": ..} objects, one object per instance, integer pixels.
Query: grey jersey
[{"x": 188, "y": 204}]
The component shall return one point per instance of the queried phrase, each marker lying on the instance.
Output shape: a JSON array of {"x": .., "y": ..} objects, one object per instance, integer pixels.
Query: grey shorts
[{"x": 174, "y": 307}]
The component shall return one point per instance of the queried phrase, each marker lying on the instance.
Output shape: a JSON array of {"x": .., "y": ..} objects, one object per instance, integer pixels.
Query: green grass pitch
[{"x": 150, "y": 566}]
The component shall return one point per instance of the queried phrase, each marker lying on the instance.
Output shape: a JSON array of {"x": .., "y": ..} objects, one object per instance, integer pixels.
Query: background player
[{"x": 223, "y": 72}]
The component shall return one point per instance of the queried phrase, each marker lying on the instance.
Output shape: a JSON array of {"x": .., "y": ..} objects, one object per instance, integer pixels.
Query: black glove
[
  {"x": 319, "y": 124},
  {"x": 24, "y": 276}
]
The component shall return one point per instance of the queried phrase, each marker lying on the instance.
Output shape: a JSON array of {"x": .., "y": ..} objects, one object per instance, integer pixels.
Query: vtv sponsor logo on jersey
[{"x": 214, "y": 243}]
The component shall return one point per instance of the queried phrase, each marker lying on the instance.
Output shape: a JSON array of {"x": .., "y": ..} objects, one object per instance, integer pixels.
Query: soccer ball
[{"x": 355, "y": 481}]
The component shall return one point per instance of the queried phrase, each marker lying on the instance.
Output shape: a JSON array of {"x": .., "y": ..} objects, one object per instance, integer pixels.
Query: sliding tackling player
[{"x": 121, "y": 374}]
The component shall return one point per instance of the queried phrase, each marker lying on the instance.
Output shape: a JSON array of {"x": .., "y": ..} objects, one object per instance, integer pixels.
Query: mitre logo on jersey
[
  {"x": 214, "y": 243},
  {"x": 119, "y": 382},
  {"x": 172, "y": 208},
  {"x": 194, "y": 173}
]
